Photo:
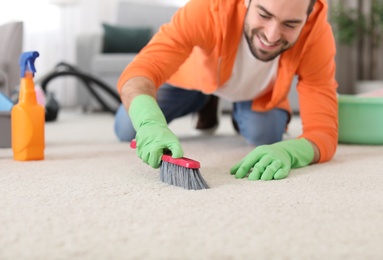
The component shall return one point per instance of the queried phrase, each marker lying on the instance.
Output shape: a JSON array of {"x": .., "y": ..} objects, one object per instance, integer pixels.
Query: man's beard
[{"x": 261, "y": 54}]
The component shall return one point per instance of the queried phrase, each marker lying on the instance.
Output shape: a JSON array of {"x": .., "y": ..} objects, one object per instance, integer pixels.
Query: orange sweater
[{"x": 197, "y": 50}]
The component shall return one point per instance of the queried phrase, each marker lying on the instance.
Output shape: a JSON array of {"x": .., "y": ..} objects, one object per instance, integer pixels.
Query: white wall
[{"x": 52, "y": 30}]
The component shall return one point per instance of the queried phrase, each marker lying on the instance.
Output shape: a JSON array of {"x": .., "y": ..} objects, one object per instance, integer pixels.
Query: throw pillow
[{"x": 119, "y": 39}]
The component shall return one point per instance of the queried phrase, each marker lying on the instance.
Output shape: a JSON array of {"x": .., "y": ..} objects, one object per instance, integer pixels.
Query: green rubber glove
[
  {"x": 153, "y": 135},
  {"x": 274, "y": 161}
]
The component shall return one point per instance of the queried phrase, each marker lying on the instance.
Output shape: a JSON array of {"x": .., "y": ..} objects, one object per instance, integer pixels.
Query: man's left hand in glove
[{"x": 267, "y": 162}]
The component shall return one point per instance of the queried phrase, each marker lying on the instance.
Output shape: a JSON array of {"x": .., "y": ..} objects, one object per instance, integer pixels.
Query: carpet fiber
[{"x": 92, "y": 198}]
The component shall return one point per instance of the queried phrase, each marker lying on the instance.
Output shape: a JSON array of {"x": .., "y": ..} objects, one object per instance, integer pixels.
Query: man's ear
[{"x": 247, "y": 3}]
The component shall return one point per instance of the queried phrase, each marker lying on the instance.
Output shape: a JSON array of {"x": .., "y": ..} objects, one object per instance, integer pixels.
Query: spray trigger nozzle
[{"x": 27, "y": 62}]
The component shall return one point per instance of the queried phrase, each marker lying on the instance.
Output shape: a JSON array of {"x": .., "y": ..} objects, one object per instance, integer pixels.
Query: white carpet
[{"x": 92, "y": 198}]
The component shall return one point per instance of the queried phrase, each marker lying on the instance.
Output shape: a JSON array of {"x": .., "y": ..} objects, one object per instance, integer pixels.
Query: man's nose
[{"x": 272, "y": 32}]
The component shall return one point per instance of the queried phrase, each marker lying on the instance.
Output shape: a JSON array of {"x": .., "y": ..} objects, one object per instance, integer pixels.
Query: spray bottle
[{"x": 27, "y": 116}]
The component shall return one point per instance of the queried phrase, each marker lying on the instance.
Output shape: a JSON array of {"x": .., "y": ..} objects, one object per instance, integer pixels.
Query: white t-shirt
[{"x": 250, "y": 77}]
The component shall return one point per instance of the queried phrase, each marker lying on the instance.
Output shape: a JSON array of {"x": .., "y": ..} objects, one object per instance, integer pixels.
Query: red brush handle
[
  {"x": 133, "y": 144},
  {"x": 184, "y": 162}
]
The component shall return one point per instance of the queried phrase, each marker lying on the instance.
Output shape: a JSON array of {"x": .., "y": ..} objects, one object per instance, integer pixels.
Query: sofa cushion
[{"x": 120, "y": 39}]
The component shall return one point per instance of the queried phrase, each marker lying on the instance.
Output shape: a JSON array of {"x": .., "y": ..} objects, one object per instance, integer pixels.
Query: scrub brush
[{"x": 182, "y": 172}]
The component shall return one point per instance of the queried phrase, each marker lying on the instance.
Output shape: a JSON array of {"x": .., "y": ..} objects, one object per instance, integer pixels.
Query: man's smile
[{"x": 265, "y": 45}]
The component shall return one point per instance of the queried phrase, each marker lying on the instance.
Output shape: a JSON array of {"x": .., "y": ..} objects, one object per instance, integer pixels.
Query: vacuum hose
[{"x": 64, "y": 69}]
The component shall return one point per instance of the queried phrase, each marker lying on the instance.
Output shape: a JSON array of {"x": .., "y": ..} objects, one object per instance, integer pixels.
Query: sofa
[{"x": 102, "y": 55}]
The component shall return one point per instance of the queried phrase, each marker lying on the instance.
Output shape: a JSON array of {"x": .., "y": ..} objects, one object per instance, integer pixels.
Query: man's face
[{"x": 273, "y": 26}]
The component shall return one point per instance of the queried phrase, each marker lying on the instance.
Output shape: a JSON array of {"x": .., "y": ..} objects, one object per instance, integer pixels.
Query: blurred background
[{"x": 52, "y": 27}]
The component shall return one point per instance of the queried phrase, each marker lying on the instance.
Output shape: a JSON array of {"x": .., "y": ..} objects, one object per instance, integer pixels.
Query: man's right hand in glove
[{"x": 153, "y": 135}]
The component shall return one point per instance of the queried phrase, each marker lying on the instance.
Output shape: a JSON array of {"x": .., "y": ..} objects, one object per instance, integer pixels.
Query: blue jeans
[{"x": 256, "y": 127}]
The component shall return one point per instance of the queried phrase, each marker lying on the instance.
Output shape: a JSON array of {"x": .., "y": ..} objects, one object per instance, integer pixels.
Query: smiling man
[{"x": 248, "y": 53}]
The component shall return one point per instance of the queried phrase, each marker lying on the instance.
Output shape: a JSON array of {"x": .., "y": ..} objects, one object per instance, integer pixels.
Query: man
[{"x": 248, "y": 52}]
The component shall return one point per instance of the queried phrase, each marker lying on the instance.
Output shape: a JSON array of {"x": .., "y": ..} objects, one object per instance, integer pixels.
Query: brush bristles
[{"x": 187, "y": 178}]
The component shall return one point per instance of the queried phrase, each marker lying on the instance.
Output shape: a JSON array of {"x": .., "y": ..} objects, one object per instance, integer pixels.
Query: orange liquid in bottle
[{"x": 28, "y": 123}]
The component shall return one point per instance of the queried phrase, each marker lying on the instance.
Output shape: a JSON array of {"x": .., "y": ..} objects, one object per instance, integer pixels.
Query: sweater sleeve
[{"x": 317, "y": 93}]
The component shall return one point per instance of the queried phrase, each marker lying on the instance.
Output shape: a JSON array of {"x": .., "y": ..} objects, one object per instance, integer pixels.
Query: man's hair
[{"x": 311, "y": 6}]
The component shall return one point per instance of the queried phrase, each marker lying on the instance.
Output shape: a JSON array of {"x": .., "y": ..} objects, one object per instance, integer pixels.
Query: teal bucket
[{"x": 360, "y": 120}]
